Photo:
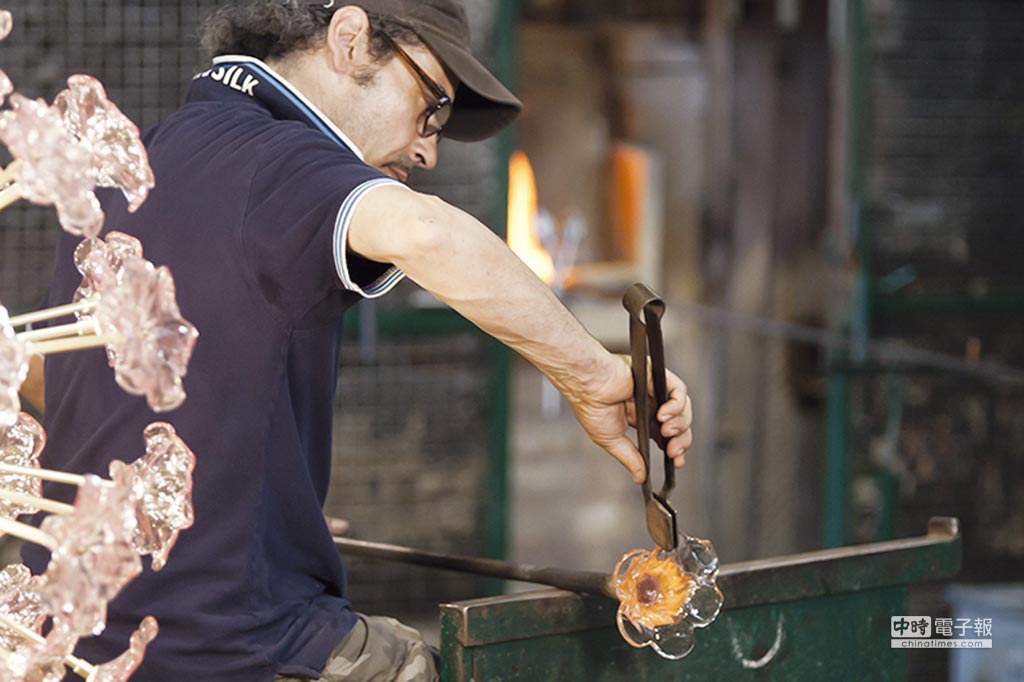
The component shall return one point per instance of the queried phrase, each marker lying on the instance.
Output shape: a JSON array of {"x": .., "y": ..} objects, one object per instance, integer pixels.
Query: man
[{"x": 279, "y": 203}]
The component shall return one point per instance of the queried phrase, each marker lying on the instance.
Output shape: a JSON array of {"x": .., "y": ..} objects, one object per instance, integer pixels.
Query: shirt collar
[{"x": 247, "y": 76}]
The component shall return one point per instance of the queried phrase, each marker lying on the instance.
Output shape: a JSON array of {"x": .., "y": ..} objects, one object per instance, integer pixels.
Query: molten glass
[
  {"x": 20, "y": 446},
  {"x": 161, "y": 485},
  {"x": 13, "y": 370},
  {"x": 664, "y": 595},
  {"x": 55, "y": 168},
  {"x": 118, "y": 157}
]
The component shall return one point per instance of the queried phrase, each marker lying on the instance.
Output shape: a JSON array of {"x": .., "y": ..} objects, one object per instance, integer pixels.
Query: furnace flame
[{"x": 522, "y": 214}]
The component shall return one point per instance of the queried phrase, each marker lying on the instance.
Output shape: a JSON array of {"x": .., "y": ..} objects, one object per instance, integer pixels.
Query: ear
[{"x": 348, "y": 39}]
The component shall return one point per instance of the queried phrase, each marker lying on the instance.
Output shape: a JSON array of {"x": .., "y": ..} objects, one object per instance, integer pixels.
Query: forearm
[
  {"x": 463, "y": 264},
  {"x": 32, "y": 388}
]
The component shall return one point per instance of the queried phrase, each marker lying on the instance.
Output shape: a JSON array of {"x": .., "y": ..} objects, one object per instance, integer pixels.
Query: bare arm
[
  {"x": 32, "y": 388},
  {"x": 463, "y": 264}
]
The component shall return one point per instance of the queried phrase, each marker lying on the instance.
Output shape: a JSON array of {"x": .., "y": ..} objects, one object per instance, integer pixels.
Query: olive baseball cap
[{"x": 483, "y": 106}]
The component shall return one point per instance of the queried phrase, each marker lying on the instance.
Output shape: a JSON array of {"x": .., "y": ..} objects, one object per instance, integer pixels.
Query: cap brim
[{"x": 483, "y": 106}]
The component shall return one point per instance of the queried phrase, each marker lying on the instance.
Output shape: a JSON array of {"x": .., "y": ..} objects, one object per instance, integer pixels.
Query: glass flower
[
  {"x": 122, "y": 667},
  {"x": 161, "y": 485},
  {"x": 664, "y": 595},
  {"x": 6, "y": 24},
  {"x": 101, "y": 262},
  {"x": 93, "y": 558},
  {"x": 20, "y": 445},
  {"x": 118, "y": 157},
  {"x": 154, "y": 342},
  {"x": 13, "y": 370},
  {"x": 19, "y": 602},
  {"x": 55, "y": 168}
]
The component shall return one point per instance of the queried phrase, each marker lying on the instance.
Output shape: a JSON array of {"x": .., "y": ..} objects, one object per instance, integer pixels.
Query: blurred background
[{"x": 824, "y": 192}]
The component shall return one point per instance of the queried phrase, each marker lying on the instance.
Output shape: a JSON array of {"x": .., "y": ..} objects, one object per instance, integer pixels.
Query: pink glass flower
[
  {"x": 55, "y": 168},
  {"x": 20, "y": 445},
  {"x": 6, "y": 24},
  {"x": 161, "y": 485},
  {"x": 101, "y": 262},
  {"x": 93, "y": 558},
  {"x": 19, "y": 602},
  {"x": 13, "y": 370},
  {"x": 118, "y": 157},
  {"x": 122, "y": 667},
  {"x": 155, "y": 343},
  {"x": 664, "y": 596}
]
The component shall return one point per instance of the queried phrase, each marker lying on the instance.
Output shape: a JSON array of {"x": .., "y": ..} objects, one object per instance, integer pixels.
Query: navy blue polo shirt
[{"x": 254, "y": 192}]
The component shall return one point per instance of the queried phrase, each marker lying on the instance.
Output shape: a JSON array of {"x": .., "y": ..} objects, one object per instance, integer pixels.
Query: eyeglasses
[{"x": 437, "y": 112}]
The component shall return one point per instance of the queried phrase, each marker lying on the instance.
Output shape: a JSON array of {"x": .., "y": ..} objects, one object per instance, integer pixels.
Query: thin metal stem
[
  {"x": 43, "y": 503},
  {"x": 576, "y": 581},
  {"x": 83, "y": 328},
  {"x": 82, "y": 306}
]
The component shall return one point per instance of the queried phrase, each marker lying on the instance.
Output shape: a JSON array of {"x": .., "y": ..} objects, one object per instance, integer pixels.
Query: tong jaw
[{"x": 645, "y": 312}]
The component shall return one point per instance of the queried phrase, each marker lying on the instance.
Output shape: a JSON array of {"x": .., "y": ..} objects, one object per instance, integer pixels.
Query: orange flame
[{"x": 522, "y": 210}]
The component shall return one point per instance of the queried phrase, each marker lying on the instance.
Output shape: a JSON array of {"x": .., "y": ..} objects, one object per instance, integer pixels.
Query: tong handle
[{"x": 645, "y": 312}]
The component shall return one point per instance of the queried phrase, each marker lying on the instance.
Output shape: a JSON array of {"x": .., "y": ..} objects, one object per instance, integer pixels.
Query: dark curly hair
[{"x": 272, "y": 29}]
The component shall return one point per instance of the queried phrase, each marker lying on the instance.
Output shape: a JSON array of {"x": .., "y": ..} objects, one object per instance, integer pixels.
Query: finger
[
  {"x": 678, "y": 446},
  {"x": 677, "y": 424},
  {"x": 623, "y": 450},
  {"x": 678, "y": 396}
]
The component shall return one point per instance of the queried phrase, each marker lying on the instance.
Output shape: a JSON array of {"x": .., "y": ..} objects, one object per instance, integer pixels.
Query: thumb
[{"x": 623, "y": 450}]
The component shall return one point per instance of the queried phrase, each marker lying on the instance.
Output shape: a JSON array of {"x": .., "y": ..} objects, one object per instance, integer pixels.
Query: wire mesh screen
[
  {"x": 410, "y": 424},
  {"x": 409, "y": 451},
  {"x": 144, "y": 52},
  {"x": 943, "y": 202}
]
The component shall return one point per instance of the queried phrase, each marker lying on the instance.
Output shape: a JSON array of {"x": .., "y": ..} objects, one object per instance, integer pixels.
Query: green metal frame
[
  {"x": 826, "y": 615},
  {"x": 836, "y": 530}
]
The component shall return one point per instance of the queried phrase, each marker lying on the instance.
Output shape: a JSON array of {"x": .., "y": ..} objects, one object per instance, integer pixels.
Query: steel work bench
[{"x": 821, "y": 616}]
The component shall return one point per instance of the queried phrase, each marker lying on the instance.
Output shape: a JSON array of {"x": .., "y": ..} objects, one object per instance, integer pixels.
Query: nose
[{"x": 424, "y": 152}]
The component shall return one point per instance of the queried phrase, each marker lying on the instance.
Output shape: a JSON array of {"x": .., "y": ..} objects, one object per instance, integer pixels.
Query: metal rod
[
  {"x": 72, "y": 344},
  {"x": 35, "y": 501},
  {"x": 72, "y": 329},
  {"x": 51, "y": 313},
  {"x": 576, "y": 581},
  {"x": 45, "y": 474}
]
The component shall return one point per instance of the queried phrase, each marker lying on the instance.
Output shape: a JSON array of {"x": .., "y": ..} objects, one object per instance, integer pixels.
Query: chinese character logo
[{"x": 910, "y": 626}]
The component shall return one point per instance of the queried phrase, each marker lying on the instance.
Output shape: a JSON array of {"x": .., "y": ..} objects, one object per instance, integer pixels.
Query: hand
[{"x": 607, "y": 411}]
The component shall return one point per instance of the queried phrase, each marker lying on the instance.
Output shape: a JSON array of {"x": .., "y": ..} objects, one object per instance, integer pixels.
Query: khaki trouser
[{"x": 378, "y": 650}]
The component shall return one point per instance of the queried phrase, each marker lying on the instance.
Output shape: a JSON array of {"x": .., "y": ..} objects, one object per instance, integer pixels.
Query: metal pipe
[{"x": 565, "y": 579}]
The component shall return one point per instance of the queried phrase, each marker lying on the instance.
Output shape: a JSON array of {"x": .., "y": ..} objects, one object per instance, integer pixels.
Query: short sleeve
[{"x": 304, "y": 192}]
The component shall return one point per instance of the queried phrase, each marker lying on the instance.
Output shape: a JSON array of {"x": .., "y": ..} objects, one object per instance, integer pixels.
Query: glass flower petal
[
  {"x": 154, "y": 344},
  {"x": 161, "y": 485},
  {"x": 94, "y": 557},
  {"x": 13, "y": 370},
  {"x": 20, "y": 446},
  {"x": 121, "y": 668},
  {"x": 55, "y": 168},
  {"x": 118, "y": 157}
]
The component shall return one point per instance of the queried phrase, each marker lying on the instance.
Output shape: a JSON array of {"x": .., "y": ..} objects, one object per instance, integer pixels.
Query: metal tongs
[{"x": 645, "y": 311}]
